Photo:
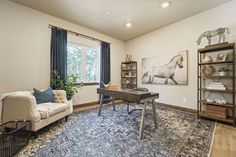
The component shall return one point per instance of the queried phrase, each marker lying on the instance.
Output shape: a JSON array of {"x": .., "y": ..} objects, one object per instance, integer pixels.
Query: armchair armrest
[{"x": 18, "y": 106}]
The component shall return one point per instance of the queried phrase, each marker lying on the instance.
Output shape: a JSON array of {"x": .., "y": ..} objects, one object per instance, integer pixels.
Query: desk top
[{"x": 128, "y": 94}]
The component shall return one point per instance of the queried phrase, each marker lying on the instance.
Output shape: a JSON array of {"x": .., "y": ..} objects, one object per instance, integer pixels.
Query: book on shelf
[
  {"x": 216, "y": 88},
  {"x": 212, "y": 86},
  {"x": 215, "y": 85}
]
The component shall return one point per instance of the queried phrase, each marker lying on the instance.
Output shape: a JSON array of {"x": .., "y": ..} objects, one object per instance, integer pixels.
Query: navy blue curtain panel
[
  {"x": 105, "y": 63},
  {"x": 105, "y": 69},
  {"x": 59, "y": 52}
]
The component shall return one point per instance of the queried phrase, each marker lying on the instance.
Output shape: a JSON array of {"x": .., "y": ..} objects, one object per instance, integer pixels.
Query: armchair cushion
[
  {"x": 48, "y": 109},
  {"x": 45, "y": 110},
  {"x": 44, "y": 96},
  {"x": 59, "y": 107}
]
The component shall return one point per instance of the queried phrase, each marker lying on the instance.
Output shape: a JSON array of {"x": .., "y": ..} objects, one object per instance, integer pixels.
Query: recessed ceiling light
[
  {"x": 128, "y": 24},
  {"x": 108, "y": 12},
  {"x": 165, "y": 4}
]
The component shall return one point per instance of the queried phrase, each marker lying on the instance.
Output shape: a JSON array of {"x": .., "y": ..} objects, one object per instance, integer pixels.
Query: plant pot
[{"x": 70, "y": 103}]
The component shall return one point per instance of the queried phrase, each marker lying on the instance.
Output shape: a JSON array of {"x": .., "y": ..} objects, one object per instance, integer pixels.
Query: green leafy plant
[{"x": 70, "y": 85}]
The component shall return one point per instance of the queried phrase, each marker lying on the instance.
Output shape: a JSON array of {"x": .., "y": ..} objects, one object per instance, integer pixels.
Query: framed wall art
[{"x": 169, "y": 69}]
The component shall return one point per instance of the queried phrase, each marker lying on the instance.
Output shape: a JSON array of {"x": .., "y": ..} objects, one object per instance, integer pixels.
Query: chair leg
[
  {"x": 66, "y": 118},
  {"x": 100, "y": 107},
  {"x": 113, "y": 104}
]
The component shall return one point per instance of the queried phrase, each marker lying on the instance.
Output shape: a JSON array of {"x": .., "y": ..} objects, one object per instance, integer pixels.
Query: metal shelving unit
[
  {"x": 203, "y": 92},
  {"x": 129, "y": 74}
]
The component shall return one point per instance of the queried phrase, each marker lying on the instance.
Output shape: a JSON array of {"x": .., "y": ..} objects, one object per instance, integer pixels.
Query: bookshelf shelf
[
  {"x": 215, "y": 77},
  {"x": 215, "y": 90},
  {"x": 215, "y": 117},
  {"x": 225, "y": 62},
  {"x": 217, "y": 104}
]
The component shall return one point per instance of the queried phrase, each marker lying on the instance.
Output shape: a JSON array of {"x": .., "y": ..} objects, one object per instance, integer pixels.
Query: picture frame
[
  {"x": 168, "y": 69},
  {"x": 221, "y": 57}
]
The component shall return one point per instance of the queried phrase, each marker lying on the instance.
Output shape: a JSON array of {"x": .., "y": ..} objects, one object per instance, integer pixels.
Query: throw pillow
[{"x": 44, "y": 96}]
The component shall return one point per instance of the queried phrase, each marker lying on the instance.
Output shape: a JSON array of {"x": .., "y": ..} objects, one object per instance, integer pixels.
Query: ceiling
[{"x": 145, "y": 15}]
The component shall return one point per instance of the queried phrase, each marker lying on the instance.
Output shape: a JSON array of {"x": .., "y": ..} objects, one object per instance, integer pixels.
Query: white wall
[
  {"x": 182, "y": 35},
  {"x": 25, "y": 50}
]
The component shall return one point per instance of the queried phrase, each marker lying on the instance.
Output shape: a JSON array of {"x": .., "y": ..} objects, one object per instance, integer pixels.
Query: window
[{"x": 83, "y": 61}]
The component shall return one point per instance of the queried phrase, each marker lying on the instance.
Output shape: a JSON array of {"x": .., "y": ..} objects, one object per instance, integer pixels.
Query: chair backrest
[{"x": 141, "y": 89}]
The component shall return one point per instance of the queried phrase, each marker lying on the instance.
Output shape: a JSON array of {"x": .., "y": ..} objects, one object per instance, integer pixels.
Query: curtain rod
[{"x": 78, "y": 34}]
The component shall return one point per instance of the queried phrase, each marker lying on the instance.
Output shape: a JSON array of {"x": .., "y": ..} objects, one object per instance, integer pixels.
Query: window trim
[{"x": 90, "y": 83}]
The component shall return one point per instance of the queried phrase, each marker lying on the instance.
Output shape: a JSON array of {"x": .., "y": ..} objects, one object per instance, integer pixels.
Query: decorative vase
[
  {"x": 128, "y": 58},
  {"x": 207, "y": 59}
]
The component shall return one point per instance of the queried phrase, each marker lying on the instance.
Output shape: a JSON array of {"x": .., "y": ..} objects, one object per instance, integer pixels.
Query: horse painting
[{"x": 165, "y": 71}]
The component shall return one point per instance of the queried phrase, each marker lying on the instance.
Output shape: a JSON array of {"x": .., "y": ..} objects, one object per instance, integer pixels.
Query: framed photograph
[
  {"x": 221, "y": 57},
  {"x": 169, "y": 69}
]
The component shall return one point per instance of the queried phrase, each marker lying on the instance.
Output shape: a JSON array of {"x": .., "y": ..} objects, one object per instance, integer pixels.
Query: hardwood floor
[
  {"x": 224, "y": 143},
  {"x": 84, "y": 108}
]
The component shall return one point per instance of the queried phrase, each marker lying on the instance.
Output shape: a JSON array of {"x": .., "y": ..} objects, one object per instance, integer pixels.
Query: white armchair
[{"x": 20, "y": 105}]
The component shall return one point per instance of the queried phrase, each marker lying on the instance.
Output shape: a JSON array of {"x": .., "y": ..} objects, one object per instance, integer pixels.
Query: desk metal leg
[
  {"x": 154, "y": 113},
  {"x": 100, "y": 107},
  {"x": 142, "y": 122},
  {"x": 114, "y": 108}
]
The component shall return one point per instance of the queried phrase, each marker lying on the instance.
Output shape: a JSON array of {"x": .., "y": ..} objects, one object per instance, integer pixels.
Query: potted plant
[
  {"x": 70, "y": 85},
  {"x": 224, "y": 71}
]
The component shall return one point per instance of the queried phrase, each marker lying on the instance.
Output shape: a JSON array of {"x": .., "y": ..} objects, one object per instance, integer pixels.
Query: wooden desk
[{"x": 130, "y": 95}]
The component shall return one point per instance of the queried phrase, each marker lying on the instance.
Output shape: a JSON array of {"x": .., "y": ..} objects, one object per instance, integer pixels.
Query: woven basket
[{"x": 208, "y": 70}]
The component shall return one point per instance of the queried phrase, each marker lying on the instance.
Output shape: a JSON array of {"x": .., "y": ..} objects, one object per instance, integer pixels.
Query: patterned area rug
[{"x": 115, "y": 134}]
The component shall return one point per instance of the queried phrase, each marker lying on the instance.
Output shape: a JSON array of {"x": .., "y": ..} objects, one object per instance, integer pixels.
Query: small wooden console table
[{"x": 131, "y": 95}]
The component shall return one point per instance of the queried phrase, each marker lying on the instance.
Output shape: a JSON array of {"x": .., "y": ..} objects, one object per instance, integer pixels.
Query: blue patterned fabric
[
  {"x": 43, "y": 96},
  {"x": 116, "y": 134}
]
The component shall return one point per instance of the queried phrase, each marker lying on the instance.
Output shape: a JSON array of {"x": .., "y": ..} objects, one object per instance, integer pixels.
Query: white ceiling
[{"x": 146, "y": 15}]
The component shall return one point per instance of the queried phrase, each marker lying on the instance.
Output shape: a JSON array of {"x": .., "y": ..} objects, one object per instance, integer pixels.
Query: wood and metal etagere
[
  {"x": 229, "y": 92},
  {"x": 129, "y": 75}
]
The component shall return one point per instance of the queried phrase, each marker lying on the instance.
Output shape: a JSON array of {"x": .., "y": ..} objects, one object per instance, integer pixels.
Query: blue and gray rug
[{"x": 115, "y": 134}]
